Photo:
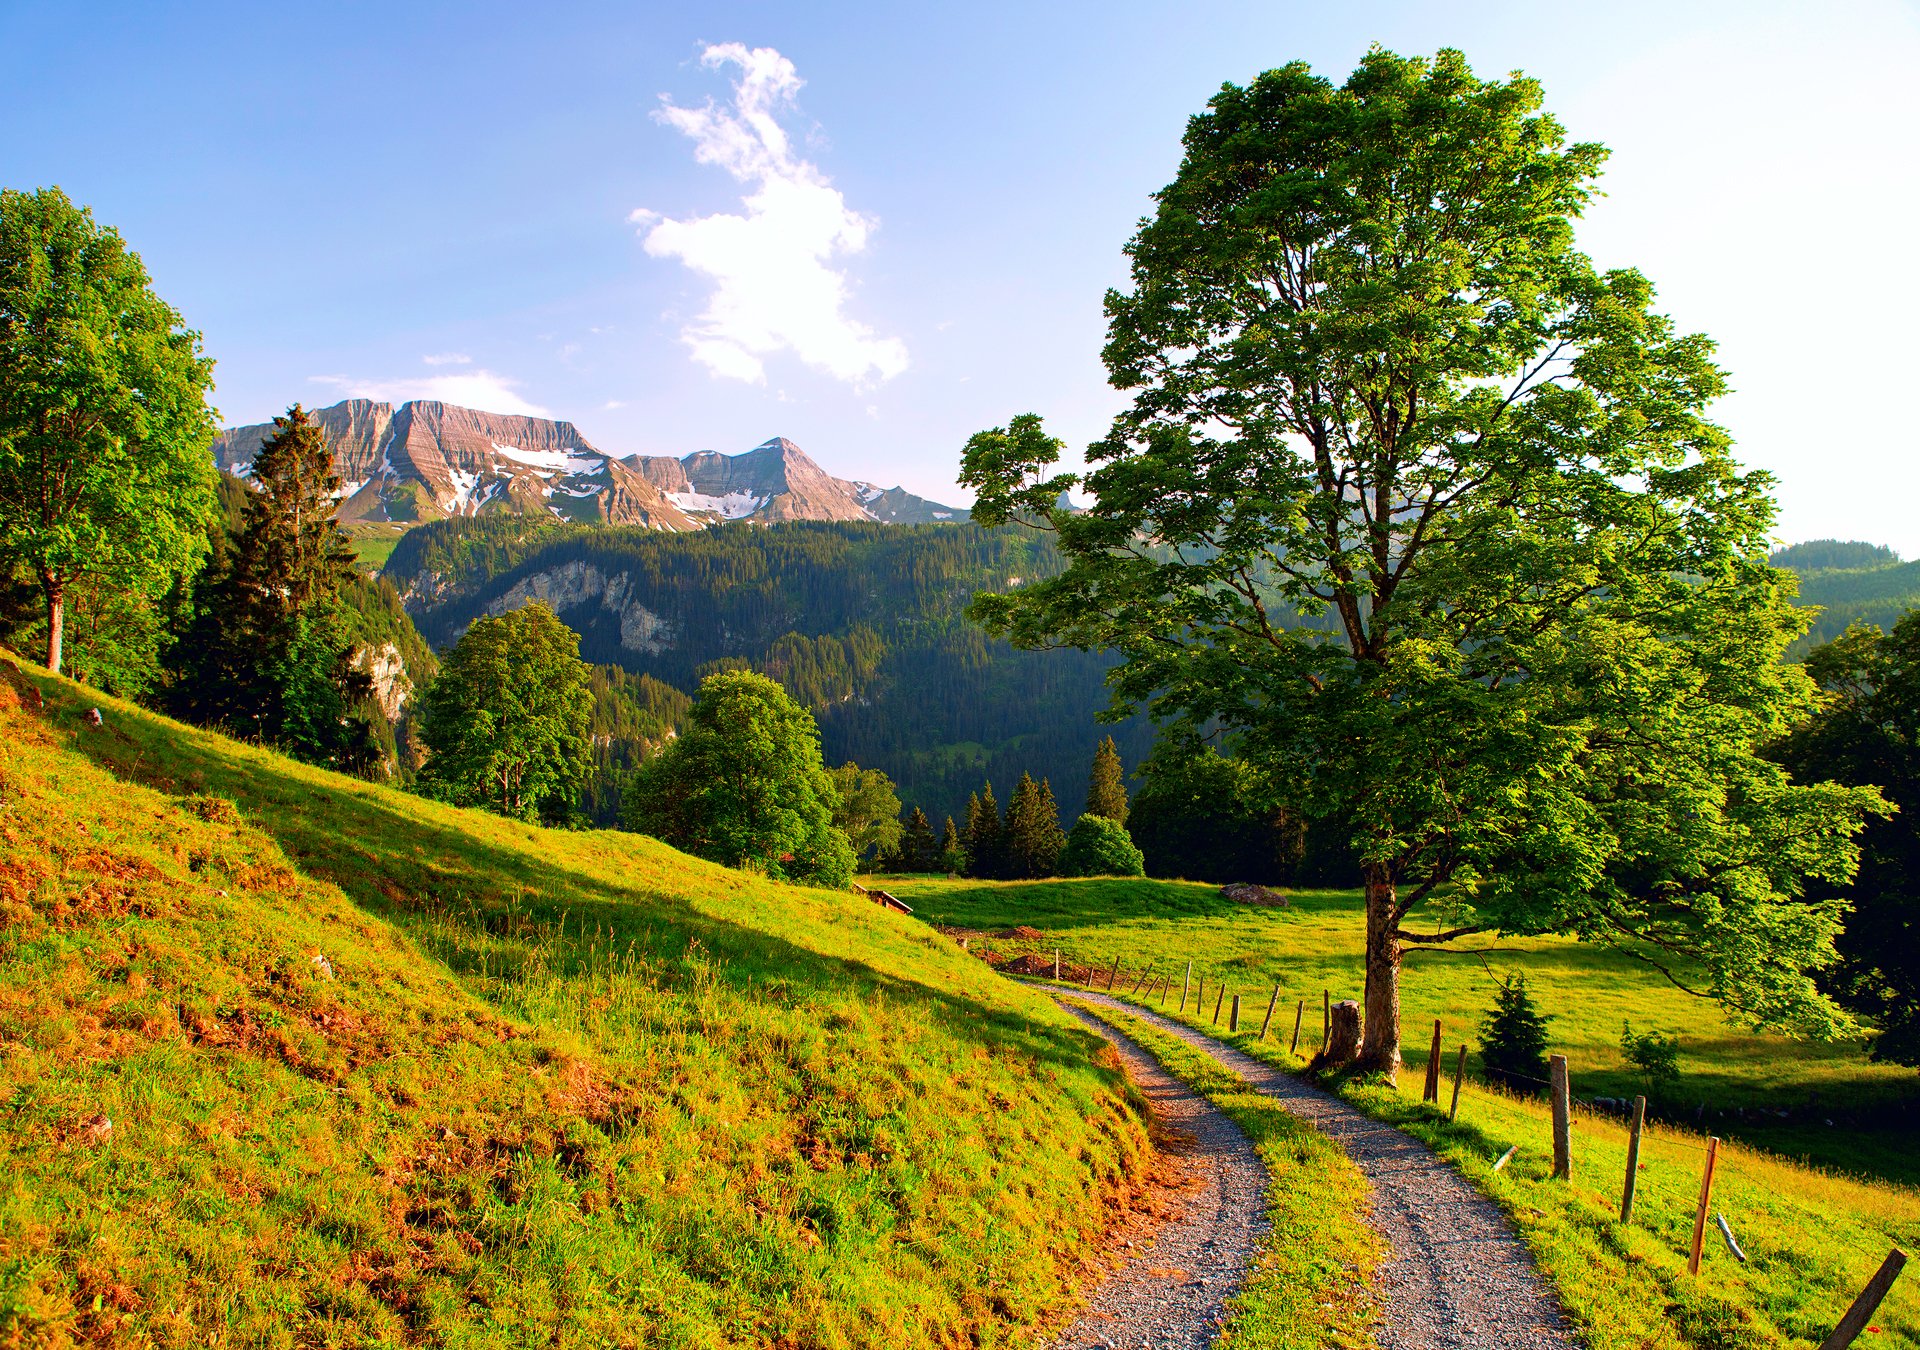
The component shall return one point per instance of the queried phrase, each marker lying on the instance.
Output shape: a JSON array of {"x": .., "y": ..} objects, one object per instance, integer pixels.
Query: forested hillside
[
  {"x": 864, "y": 623},
  {"x": 1852, "y": 583}
]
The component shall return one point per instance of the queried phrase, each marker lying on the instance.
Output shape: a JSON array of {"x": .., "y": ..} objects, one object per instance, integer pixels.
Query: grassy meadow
[
  {"x": 1812, "y": 1235},
  {"x": 292, "y": 1059}
]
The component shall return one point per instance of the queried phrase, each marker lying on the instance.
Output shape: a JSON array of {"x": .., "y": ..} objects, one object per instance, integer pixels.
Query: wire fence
[{"x": 1598, "y": 1133}]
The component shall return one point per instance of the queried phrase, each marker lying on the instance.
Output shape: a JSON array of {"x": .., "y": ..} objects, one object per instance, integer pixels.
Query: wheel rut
[
  {"x": 1458, "y": 1274},
  {"x": 1173, "y": 1293}
]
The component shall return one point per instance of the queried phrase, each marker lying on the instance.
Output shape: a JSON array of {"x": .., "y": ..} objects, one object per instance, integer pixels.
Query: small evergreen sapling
[{"x": 1513, "y": 1038}]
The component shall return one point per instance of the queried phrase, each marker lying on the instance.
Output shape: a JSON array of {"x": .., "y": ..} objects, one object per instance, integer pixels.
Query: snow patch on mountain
[
  {"x": 732, "y": 506},
  {"x": 552, "y": 461}
]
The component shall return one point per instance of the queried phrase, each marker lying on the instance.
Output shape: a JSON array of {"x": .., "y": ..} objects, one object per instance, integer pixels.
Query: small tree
[
  {"x": 507, "y": 722},
  {"x": 1099, "y": 847},
  {"x": 986, "y": 836},
  {"x": 104, "y": 427},
  {"x": 1513, "y": 1038},
  {"x": 745, "y": 786},
  {"x": 1106, "y": 788},
  {"x": 919, "y": 849},
  {"x": 869, "y": 810},
  {"x": 1657, "y": 1057},
  {"x": 953, "y": 854},
  {"x": 1033, "y": 835}
]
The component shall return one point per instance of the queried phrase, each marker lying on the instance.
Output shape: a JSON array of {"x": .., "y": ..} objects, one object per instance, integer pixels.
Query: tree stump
[{"x": 1343, "y": 1036}]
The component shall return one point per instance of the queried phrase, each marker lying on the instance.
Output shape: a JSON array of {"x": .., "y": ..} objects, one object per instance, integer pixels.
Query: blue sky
[{"x": 499, "y": 203}]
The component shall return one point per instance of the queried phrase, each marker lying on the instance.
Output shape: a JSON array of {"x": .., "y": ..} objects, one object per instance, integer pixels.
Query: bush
[
  {"x": 1099, "y": 847},
  {"x": 1656, "y": 1056},
  {"x": 1513, "y": 1038}
]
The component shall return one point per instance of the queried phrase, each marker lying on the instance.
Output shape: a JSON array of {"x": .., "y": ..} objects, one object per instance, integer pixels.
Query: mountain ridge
[{"x": 426, "y": 460}]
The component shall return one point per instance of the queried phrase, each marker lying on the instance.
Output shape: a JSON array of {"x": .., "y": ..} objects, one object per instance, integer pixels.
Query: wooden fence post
[
  {"x": 1459, "y": 1076},
  {"x": 1166, "y": 987},
  {"x": 1298, "y": 1013},
  {"x": 1218, "y": 1000},
  {"x": 1185, "y": 981},
  {"x": 1430, "y": 1092},
  {"x": 1233, "y": 1018},
  {"x": 1562, "y": 1120},
  {"x": 1700, "y": 1214},
  {"x": 1056, "y": 965},
  {"x": 1142, "y": 980},
  {"x": 1268, "y": 1019},
  {"x": 1867, "y": 1304},
  {"x": 1113, "y": 974},
  {"x": 1326, "y": 1016},
  {"x": 1199, "y": 994},
  {"x": 1633, "y": 1159}
]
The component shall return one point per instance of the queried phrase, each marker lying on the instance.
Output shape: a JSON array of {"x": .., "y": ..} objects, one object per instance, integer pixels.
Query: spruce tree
[
  {"x": 1513, "y": 1038},
  {"x": 986, "y": 836},
  {"x": 919, "y": 850},
  {"x": 291, "y": 557},
  {"x": 953, "y": 855},
  {"x": 1033, "y": 834},
  {"x": 1106, "y": 792}
]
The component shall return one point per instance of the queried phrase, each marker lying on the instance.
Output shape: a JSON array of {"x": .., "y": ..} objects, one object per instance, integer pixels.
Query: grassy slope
[
  {"x": 1317, "y": 944},
  {"x": 1813, "y": 1237},
  {"x": 558, "y": 1089}
]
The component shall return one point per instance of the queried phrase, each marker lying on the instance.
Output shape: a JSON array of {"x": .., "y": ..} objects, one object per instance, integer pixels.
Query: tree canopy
[
  {"x": 1098, "y": 846},
  {"x": 506, "y": 720},
  {"x": 869, "y": 810},
  {"x": 1425, "y": 513},
  {"x": 745, "y": 785},
  {"x": 105, "y": 479}
]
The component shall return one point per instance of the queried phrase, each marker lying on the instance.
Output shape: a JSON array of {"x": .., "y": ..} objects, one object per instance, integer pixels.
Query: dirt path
[
  {"x": 1458, "y": 1274},
  {"x": 1173, "y": 1293}
]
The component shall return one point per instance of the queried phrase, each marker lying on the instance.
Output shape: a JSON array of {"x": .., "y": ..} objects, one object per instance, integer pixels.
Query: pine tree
[
  {"x": 986, "y": 836},
  {"x": 953, "y": 856},
  {"x": 291, "y": 556},
  {"x": 1033, "y": 834},
  {"x": 919, "y": 850},
  {"x": 1106, "y": 790},
  {"x": 1513, "y": 1038}
]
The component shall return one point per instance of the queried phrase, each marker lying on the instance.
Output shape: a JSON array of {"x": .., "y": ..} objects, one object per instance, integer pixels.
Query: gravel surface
[
  {"x": 1457, "y": 1275},
  {"x": 1174, "y": 1293}
]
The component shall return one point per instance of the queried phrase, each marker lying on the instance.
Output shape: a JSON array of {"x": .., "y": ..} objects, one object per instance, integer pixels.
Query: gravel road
[
  {"x": 1174, "y": 1292},
  {"x": 1457, "y": 1275}
]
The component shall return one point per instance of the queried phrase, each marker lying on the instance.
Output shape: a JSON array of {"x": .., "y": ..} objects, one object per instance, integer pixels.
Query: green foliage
[
  {"x": 1032, "y": 838},
  {"x": 868, "y": 812},
  {"x": 953, "y": 853},
  {"x": 1098, "y": 846},
  {"x": 1846, "y": 584},
  {"x": 919, "y": 850},
  {"x": 1868, "y": 732},
  {"x": 507, "y": 720},
  {"x": 633, "y": 716},
  {"x": 105, "y": 480},
  {"x": 1206, "y": 817},
  {"x": 1656, "y": 1056},
  {"x": 862, "y": 623},
  {"x": 1834, "y": 555},
  {"x": 1444, "y": 537},
  {"x": 745, "y": 786},
  {"x": 1106, "y": 788},
  {"x": 1513, "y": 1038}
]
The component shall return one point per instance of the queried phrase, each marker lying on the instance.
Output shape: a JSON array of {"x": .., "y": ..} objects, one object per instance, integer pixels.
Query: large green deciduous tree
[
  {"x": 104, "y": 427},
  {"x": 1426, "y": 513},
  {"x": 745, "y": 784},
  {"x": 869, "y": 810},
  {"x": 507, "y": 722},
  {"x": 1869, "y": 732}
]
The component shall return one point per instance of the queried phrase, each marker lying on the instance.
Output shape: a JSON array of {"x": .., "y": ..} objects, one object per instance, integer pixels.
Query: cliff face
[{"x": 426, "y": 461}]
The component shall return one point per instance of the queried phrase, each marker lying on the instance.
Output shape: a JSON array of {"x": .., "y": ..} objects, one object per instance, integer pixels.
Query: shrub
[
  {"x": 1656, "y": 1056},
  {"x": 1100, "y": 847}
]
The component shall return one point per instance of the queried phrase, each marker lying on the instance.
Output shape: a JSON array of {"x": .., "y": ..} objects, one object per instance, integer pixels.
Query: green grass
[
  {"x": 1310, "y": 1286},
  {"x": 1813, "y": 1236},
  {"x": 1738, "y": 1077},
  {"x": 547, "y": 1088},
  {"x": 374, "y": 542}
]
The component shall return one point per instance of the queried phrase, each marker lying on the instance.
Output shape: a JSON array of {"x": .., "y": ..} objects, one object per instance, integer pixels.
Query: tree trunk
[
  {"x": 1380, "y": 1044},
  {"x": 1343, "y": 1036},
  {"x": 56, "y": 625}
]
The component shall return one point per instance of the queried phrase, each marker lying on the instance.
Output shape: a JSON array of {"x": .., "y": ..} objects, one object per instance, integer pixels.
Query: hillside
[
  {"x": 863, "y": 623},
  {"x": 295, "y": 1059},
  {"x": 429, "y": 461},
  {"x": 1852, "y": 583}
]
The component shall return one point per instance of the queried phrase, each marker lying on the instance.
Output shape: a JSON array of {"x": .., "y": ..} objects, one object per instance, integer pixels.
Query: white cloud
[
  {"x": 774, "y": 289},
  {"x": 448, "y": 359},
  {"x": 481, "y": 389},
  {"x": 611, "y": 404}
]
